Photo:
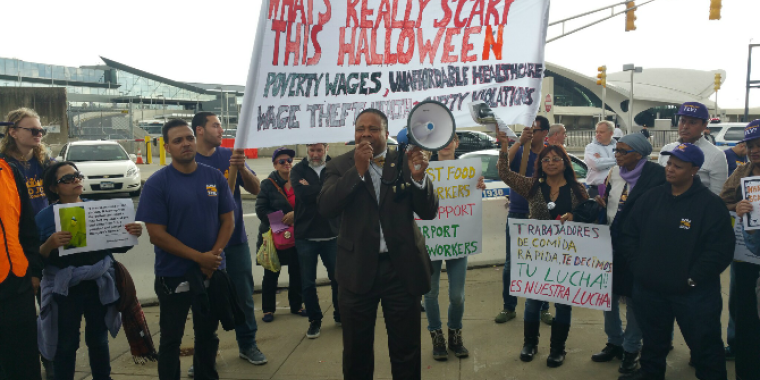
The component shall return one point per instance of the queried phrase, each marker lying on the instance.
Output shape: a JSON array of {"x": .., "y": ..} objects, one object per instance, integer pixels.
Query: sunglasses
[
  {"x": 34, "y": 131},
  {"x": 284, "y": 160},
  {"x": 68, "y": 179},
  {"x": 622, "y": 152},
  {"x": 553, "y": 159}
]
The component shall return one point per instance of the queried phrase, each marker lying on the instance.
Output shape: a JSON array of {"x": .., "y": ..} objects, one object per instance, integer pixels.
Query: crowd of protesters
[{"x": 670, "y": 226}]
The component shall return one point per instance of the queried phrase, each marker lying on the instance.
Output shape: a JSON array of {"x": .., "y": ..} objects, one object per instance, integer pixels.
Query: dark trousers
[
  {"x": 309, "y": 253},
  {"x": 83, "y": 301},
  {"x": 747, "y": 341},
  {"x": 698, "y": 315},
  {"x": 269, "y": 285},
  {"x": 173, "y": 309},
  {"x": 239, "y": 268},
  {"x": 19, "y": 357},
  {"x": 401, "y": 312}
]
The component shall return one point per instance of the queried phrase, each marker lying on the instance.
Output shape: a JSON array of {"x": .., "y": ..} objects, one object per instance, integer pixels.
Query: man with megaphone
[{"x": 381, "y": 252}]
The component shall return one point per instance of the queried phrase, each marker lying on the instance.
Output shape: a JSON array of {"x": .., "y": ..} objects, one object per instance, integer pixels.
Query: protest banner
[
  {"x": 751, "y": 192},
  {"x": 95, "y": 225},
  {"x": 741, "y": 253},
  {"x": 317, "y": 64},
  {"x": 457, "y": 230},
  {"x": 568, "y": 263}
]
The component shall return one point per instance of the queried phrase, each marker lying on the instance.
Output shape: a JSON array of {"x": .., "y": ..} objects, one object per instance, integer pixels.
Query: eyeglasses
[
  {"x": 284, "y": 160},
  {"x": 68, "y": 179},
  {"x": 553, "y": 159},
  {"x": 34, "y": 131},
  {"x": 622, "y": 152}
]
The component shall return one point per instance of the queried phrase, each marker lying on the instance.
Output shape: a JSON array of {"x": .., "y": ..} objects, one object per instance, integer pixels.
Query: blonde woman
[{"x": 22, "y": 145}]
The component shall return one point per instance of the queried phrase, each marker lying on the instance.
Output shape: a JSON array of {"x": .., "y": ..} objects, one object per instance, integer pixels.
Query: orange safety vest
[{"x": 12, "y": 258}]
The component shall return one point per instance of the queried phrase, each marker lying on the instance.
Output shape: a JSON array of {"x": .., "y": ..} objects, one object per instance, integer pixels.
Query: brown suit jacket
[{"x": 345, "y": 195}]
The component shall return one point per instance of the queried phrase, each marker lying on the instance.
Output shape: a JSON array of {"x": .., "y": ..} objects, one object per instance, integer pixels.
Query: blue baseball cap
[
  {"x": 751, "y": 131},
  {"x": 689, "y": 153},
  {"x": 283, "y": 150},
  {"x": 694, "y": 109}
]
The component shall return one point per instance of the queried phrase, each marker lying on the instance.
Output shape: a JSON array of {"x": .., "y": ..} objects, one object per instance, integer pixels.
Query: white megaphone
[{"x": 430, "y": 126}]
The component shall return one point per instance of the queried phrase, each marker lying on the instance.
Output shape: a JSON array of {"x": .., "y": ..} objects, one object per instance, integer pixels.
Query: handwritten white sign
[
  {"x": 568, "y": 263},
  {"x": 457, "y": 230},
  {"x": 317, "y": 64},
  {"x": 95, "y": 225}
]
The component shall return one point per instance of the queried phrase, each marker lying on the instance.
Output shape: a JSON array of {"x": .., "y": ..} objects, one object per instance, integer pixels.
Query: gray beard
[{"x": 317, "y": 164}]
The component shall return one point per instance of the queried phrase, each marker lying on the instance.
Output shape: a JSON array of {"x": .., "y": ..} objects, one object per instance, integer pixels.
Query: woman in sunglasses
[
  {"x": 76, "y": 285},
  {"x": 277, "y": 195},
  {"x": 633, "y": 176},
  {"x": 22, "y": 145},
  {"x": 552, "y": 194}
]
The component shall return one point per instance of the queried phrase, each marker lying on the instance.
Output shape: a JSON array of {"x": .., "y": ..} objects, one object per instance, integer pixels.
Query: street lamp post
[{"x": 633, "y": 69}]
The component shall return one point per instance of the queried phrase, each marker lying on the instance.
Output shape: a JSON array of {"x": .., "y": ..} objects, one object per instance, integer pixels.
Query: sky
[{"x": 167, "y": 38}]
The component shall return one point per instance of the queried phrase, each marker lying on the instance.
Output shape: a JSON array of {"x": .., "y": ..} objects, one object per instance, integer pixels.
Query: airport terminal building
[{"x": 104, "y": 99}]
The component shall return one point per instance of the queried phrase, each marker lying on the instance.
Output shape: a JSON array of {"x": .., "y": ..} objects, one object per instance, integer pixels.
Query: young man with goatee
[{"x": 188, "y": 210}]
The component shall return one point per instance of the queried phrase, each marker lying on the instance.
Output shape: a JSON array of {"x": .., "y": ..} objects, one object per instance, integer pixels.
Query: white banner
[
  {"x": 457, "y": 231},
  {"x": 568, "y": 263},
  {"x": 741, "y": 253},
  {"x": 317, "y": 64},
  {"x": 95, "y": 225}
]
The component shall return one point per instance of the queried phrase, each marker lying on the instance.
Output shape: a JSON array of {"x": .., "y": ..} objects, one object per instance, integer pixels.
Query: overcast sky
[{"x": 167, "y": 37}]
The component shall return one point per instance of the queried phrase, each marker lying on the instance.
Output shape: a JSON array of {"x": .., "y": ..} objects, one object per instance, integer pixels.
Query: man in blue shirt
[
  {"x": 208, "y": 131},
  {"x": 518, "y": 207},
  {"x": 736, "y": 156},
  {"x": 188, "y": 210}
]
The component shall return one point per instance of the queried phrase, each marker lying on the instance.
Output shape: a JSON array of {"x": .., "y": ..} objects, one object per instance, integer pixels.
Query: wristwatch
[{"x": 691, "y": 283}]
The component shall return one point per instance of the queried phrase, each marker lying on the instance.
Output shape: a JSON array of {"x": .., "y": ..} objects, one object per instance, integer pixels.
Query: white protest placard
[
  {"x": 317, "y": 64},
  {"x": 457, "y": 230},
  {"x": 741, "y": 253},
  {"x": 95, "y": 225},
  {"x": 751, "y": 192},
  {"x": 568, "y": 263}
]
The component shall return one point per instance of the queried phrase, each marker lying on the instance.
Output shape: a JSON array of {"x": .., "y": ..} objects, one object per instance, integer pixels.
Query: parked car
[
  {"x": 727, "y": 134},
  {"x": 106, "y": 166},
  {"x": 471, "y": 141},
  {"x": 495, "y": 187}
]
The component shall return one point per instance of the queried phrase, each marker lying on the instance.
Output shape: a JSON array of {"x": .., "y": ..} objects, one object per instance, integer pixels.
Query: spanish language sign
[
  {"x": 569, "y": 263},
  {"x": 95, "y": 225},
  {"x": 317, "y": 64},
  {"x": 741, "y": 252},
  {"x": 457, "y": 231},
  {"x": 751, "y": 192}
]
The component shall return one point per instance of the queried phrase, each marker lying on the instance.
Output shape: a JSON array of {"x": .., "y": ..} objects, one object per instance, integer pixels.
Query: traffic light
[
  {"x": 717, "y": 82},
  {"x": 602, "y": 76},
  {"x": 715, "y": 6},
  {"x": 630, "y": 16}
]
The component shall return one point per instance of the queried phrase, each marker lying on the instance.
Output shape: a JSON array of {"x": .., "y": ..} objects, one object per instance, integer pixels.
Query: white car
[
  {"x": 727, "y": 134},
  {"x": 106, "y": 166},
  {"x": 495, "y": 187}
]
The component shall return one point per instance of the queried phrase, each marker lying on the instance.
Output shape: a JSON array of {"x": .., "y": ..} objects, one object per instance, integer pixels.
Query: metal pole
[
  {"x": 630, "y": 106},
  {"x": 717, "y": 114},
  {"x": 604, "y": 102},
  {"x": 746, "y": 95}
]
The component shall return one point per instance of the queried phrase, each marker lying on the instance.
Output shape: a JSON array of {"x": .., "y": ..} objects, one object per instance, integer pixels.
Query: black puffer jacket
[{"x": 652, "y": 175}]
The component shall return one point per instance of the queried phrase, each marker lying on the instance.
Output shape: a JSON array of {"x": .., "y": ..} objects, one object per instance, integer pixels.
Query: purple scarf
[{"x": 631, "y": 176}]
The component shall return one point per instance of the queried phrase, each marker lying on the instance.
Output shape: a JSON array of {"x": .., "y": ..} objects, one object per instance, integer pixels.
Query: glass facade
[{"x": 116, "y": 86}]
